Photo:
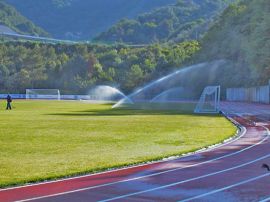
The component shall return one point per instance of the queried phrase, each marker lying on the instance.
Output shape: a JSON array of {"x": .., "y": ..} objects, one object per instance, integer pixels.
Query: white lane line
[
  {"x": 226, "y": 188},
  {"x": 265, "y": 200},
  {"x": 267, "y": 130},
  {"x": 146, "y": 176},
  {"x": 185, "y": 181},
  {"x": 137, "y": 178},
  {"x": 230, "y": 141}
]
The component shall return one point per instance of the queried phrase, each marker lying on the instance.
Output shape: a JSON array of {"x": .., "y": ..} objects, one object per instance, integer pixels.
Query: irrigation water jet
[
  {"x": 180, "y": 78},
  {"x": 172, "y": 94},
  {"x": 107, "y": 93}
]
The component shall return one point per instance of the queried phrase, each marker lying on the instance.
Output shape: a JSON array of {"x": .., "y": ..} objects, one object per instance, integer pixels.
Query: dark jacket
[{"x": 9, "y": 99}]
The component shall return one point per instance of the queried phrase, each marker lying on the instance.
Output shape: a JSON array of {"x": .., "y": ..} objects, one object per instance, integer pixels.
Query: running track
[{"x": 231, "y": 172}]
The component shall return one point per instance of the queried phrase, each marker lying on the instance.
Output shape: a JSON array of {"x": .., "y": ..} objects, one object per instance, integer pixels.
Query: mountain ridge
[
  {"x": 13, "y": 20},
  {"x": 80, "y": 19},
  {"x": 184, "y": 20}
]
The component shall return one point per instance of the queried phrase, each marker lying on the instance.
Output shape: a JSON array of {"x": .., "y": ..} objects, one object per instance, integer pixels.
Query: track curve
[{"x": 231, "y": 172}]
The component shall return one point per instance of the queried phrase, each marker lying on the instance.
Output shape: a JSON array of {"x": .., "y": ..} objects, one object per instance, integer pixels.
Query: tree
[{"x": 134, "y": 77}]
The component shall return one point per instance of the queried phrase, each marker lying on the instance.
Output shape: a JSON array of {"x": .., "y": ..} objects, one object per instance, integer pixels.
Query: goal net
[
  {"x": 209, "y": 100},
  {"x": 47, "y": 94}
]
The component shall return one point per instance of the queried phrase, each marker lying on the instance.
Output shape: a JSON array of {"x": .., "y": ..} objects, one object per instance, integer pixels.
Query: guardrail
[{"x": 44, "y": 39}]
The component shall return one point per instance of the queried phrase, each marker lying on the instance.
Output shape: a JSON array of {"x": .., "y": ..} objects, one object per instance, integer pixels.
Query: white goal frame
[
  {"x": 213, "y": 91},
  {"x": 42, "y": 94}
]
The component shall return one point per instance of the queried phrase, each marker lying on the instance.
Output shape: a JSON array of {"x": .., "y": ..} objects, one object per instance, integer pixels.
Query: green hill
[
  {"x": 185, "y": 20},
  {"x": 241, "y": 36},
  {"x": 11, "y": 18},
  {"x": 81, "y": 19}
]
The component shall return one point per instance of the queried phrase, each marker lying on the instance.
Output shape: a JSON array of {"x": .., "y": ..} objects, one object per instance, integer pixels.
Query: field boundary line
[
  {"x": 239, "y": 134},
  {"x": 266, "y": 199},
  {"x": 151, "y": 175}
]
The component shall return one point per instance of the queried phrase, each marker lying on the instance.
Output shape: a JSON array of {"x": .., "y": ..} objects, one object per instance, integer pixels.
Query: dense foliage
[
  {"x": 76, "y": 68},
  {"x": 185, "y": 20},
  {"x": 81, "y": 19},
  {"x": 242, "y": 37},
  {"x": 15, "y": 21}
]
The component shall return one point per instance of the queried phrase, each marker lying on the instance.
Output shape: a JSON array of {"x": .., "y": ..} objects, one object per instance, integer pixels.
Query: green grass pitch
[{"x": 43, "y": 140}]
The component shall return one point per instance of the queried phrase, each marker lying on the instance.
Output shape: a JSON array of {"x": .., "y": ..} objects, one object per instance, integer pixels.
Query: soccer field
[{"x": 51, "y": 139}]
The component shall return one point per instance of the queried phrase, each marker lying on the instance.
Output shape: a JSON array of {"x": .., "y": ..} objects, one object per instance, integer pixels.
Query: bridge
[
  {"x": 54, "y": 41},
  {"x": 37, "y": 38}
]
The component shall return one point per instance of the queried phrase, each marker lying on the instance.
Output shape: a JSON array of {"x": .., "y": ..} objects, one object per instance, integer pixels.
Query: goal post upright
[
  {"x": 58, "y": 95},
  {"x": 218, "y": 98},
  {"x": 209, "y": 102}
]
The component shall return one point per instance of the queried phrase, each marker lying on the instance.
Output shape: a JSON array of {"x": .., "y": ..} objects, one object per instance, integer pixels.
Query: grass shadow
[{"x": 139, "y": 109}]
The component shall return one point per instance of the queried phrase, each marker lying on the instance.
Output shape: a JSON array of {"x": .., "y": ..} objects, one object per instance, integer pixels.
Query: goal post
[
  {"x": 43, "y": 94},
  {"x": 209, "y": 101}
]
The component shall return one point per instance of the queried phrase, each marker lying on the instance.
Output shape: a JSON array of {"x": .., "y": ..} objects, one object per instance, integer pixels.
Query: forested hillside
[
  {"x": 77, "y": 68},
  {"x": 81, "y": 19},
  {"x": 242, "y": 37},
  {"x": 185, "y": 20},
  {"x": 18, "y": 23}
]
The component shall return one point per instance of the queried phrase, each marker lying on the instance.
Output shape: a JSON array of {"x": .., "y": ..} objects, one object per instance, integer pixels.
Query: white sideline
[
  {"x": 226, "y": 188},
  {"x": 151, "y": 175},
  {"x": 189, "y": 180},
  {"x": 226, "y": 142}
]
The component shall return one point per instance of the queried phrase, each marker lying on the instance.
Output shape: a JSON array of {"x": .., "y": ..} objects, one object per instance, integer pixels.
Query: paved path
[{"x": 231, "y": 172}]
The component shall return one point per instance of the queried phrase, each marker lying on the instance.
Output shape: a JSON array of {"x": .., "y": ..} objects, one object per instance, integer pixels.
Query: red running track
[{"x": 230, "y": 172}]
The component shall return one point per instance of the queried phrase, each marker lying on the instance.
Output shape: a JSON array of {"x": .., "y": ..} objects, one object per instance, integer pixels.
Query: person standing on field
[{"x": 9, "y": 100}]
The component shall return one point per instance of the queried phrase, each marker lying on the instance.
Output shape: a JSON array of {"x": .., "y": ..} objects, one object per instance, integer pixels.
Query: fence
[{"x": 259, "y": 94}]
